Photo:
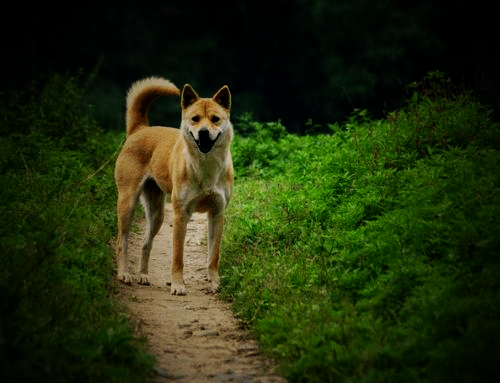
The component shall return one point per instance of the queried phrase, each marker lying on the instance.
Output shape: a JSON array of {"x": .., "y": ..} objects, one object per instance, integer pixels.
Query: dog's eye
[
  {"x": 215, "y": 119},
  {"x": 195, "y": 118}
]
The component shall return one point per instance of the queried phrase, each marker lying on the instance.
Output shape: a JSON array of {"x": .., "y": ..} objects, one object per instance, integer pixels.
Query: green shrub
[
  {"x": 372, "y": 254},
  {"x": 254, "y": 148},
  {"x": 57, "y": 321}
]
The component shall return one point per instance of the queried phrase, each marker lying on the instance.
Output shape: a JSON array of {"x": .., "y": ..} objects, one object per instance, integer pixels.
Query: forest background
[{"x": 292, "y": 60}]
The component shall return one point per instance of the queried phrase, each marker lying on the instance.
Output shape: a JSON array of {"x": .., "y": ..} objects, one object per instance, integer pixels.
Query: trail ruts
[{"x": 194, "y": 337}]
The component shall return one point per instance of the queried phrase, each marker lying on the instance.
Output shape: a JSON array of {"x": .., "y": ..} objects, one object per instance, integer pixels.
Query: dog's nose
[{"x": 203, "y": 133}]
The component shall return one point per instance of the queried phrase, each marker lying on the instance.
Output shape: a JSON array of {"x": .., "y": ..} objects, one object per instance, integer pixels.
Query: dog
[{"x": 192, "y": 165}]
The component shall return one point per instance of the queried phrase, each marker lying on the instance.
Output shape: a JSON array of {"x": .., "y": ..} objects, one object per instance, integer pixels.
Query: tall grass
[
  {"x": 372, "y": 254},
  {"x": 58, "y": 322}
]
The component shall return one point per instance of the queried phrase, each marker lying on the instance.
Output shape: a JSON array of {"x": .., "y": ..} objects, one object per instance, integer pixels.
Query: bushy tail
[{"x": 141, "y": 95}]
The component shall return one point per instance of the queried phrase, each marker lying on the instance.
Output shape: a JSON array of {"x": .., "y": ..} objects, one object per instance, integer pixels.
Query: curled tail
[{"x": 141, "y": 95}]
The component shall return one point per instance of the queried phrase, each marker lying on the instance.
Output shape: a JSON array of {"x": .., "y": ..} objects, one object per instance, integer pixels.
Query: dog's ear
[
  {"x": 223, "y": 97},
  {"x": 188, "y": 96}
]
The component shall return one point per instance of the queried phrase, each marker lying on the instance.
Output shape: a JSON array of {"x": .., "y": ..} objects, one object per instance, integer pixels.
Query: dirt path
[{"x": 194, "y": 337}]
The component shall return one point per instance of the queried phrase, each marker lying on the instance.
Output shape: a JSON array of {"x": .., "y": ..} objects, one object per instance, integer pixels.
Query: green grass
[
  {"x": 58, "y": 321},
  {"x": 372, "y": 254}
]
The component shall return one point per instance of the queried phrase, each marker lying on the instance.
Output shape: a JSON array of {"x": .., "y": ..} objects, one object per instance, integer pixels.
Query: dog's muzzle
[{"x": 204, "y": 142}]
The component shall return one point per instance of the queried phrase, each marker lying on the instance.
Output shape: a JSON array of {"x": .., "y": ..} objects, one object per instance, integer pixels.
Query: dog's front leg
[
  {"x": 215, "y": 228},
  {"x": 181, "y": 219}
]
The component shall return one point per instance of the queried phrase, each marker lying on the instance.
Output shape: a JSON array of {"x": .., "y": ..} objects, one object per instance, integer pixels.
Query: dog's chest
[{"x": 208, "y": 187}]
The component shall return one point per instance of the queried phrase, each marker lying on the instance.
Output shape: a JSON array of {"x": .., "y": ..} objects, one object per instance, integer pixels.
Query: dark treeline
[{"x": 294, "y": 60}]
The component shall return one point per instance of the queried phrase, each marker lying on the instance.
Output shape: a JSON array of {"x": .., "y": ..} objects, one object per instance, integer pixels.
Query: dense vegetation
[
  {"x": 372, "y": 254},
  {"x": 57, "y": 320},
  {"x": 367, "y": 254}
]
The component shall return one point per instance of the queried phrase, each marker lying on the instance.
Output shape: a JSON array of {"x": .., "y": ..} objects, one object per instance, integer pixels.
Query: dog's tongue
[{"x": 204, "y": 142}]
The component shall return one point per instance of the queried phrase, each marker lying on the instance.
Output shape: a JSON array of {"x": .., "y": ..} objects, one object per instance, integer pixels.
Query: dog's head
[{"x": 205, "y": 121}]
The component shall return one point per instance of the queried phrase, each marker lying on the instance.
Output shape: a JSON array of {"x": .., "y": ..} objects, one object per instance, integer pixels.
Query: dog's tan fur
[{"x": 194, "y": 168}]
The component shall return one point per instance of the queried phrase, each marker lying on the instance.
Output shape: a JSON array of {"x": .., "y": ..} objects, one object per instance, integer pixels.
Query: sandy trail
[{"x": 194, "y": 337}]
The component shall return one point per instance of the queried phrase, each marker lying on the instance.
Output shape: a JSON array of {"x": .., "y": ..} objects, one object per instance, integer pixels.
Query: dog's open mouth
[{"x": 204, "y": 142}]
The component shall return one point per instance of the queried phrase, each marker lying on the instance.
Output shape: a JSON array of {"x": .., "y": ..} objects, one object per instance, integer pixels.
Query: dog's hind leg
[
  {"x": 152, "y": 199},
  {"x": 125, "y": 209},
  {"x": 215, "y": 228}
]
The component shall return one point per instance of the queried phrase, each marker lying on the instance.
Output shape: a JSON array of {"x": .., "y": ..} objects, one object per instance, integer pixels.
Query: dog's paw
[
  {"x": 125, "y": 278},
  {"x": 144, "y": 280},
  {"x": 214, "y": 287},
  {"x": 213, "y": 278},
  {"x": 178, "y": 289}
]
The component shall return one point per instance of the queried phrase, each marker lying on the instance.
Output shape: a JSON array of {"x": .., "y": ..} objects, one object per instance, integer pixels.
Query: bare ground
[{"x": 194, "y": 337}]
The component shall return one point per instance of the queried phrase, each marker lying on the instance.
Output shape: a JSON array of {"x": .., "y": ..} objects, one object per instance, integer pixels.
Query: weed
[
  {"x": 57, "y": 321},
  {"x": 372, "y": 254}
]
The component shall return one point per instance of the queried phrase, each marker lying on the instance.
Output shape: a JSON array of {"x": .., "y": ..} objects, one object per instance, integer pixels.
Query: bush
[
  {"x": 254, "y": 148},
  {"x": 57, "y": 321},
  {"x": 372, "y": 254}
]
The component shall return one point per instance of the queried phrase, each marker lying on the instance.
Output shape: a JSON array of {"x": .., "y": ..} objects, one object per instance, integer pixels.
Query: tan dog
[{"x": 193, "y": 164}]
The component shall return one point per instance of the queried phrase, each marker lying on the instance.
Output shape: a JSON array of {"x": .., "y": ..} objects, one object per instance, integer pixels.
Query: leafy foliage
[
  {"x": 57, "y": 322},
  {"x": 372, "y": 254}
]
